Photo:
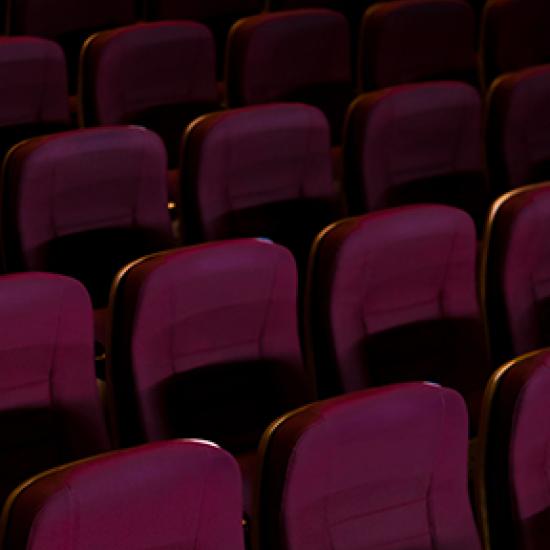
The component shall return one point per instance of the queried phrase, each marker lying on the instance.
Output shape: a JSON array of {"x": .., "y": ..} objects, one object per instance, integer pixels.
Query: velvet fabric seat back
[
  {"x": 417, "y": 40},
  {"x": 158, "y": 75},
  {"x": 392, "y": 297},
  {"x": 262, "y": 171},
  {"x": 518, "y": 140},
  {"x": 514, "y": 36},
  {"x": 49, "y": 402},
  {"x": 204, "y": 344},
  {"x": 377, "y": 468},
  {"x": 512, "y": 487},
  {"x": 285, "y": 56},
  {"x": 34, "y": 98},
  {"x": 84, "y": 203},
  {"x": 416, "y": 143},
  {"x": 176, "y": 494},
  {"x": 68, "y": 23},
  {"x": 516, "y": 268}
]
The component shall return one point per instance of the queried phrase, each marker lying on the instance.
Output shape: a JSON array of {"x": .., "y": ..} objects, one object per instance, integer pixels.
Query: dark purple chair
[
  {"x": 382, "y": 468},
  {"x": 514, "y": 36},
  {"x": 417, "y": 40},
  {"x": 49, "y": 403},
  {"x": 204, "y": 343},
  {"x": 34, "y": 98},
  {"x": 157, "y": 75},
  {"x": 392, "y": 297},
  {"x": 513, "y": 493},
  {"x": 416, "y": 143},
  {"x": 518, "y": 136},
  {"x": 516, "y": 263},
  {"x": 175, "y": 494},
  {"x": 286, "y": 56},
  {"x": 84, "y": 203},
  {"x": 262, "y": 171},
  {"x": 67, "y": 22}
]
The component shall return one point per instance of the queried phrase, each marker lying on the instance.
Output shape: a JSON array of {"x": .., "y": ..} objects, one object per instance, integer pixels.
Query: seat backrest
[
  {"x": 512, "y": 483},
  {"x": 261, "y": 171},
  {"x": 285, "y": 56},
  {"x": 415, "y": 143},
  {"x": 34, "y": 98},
  {"x": 204, "y": 343},
  {"x": 48, "y": 396},
  {"x": 514, "y": 36},
  {"x": 373, "y": 469},
  {"x": 417, "y": 40},
  {"x": 518, "y": 141},
  {"x": 515, "y": 273},
  {"x": 159, "y": 75},
  {"x": 84, "y": 203},
  {"x": 176, "y": 494},
  {"x": 392, "y": 297}
]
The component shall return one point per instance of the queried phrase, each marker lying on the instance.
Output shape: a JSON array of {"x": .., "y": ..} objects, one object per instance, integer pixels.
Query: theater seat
[
  {"x": 262, "y": 171},
  {"x": 516, "y": 264},
  {"x": 382, "y": 468},
  {"x": 416, "y": 143},
  {"x": 49, "y": 403},
  {"x": 286, "y": 56},
  {"x": 84, "y": 203},
  {"x": 34, "y": 98},
  {"x": 204, "y": 343},
  {"x": 417, "y": 40},
  {"x": 392, "y": 297},
  {"x": 158, "y": 75},
  {"x": 513, "y": 494},
  {"x": 514, "y": 36},
  {"x": 175, "y": 494},
  {"x": 518, "y": 136}
]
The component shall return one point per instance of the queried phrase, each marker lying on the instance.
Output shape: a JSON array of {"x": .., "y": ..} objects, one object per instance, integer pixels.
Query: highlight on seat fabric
[
  {"x": 515, "y": 267},
  {"x": 512, "y": 478},
  {"x": 518, "y": 140},
  {"x": 50, "y": 406},
  {"x": 205, "y": 344},
  {"x": 417, "y": 40},
  {"x": 514, "y": 36},
  {"x": 158, "y": 75},
  {"x": 379, "y": 468},
  {"x": 392, "y": 297},
  {"x": 34, "y": 98},
  {"x": 261, "y": 171},
  {"x": 286, "y": 56},
  {"x": 84, "y": 203},
  {"x": 67, "y": 22},
  {"x": 416, "y": 143},
  {"x": 175, "y": 494}
]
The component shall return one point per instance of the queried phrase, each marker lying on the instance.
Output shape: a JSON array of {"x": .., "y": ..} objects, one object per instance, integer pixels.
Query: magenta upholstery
[
  {"x": 158, "y": 75},
  {"x": 416, "y": 143},
  {"x": 382, "y": 468},
  {"x": 517, "y": 276},
  {"x": 515, "y": 454},
  {"x": 514, "y": 36},
  {"x": 518, "y": 140},
  {"x": 392, "y": 297},
  {"x": 49, "y": 402},
  {"x": 84, "y": 203},
  {"x": 262, "y": 171},
  {"x": 179, "y": 494},
  {"x": 34, "y": 97},
  {"x": 67, "y": 22},
  {"x": 205, "y": 344},
  {"x": 417, "y": 40},
  {"x": 286, "y": 56}
]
